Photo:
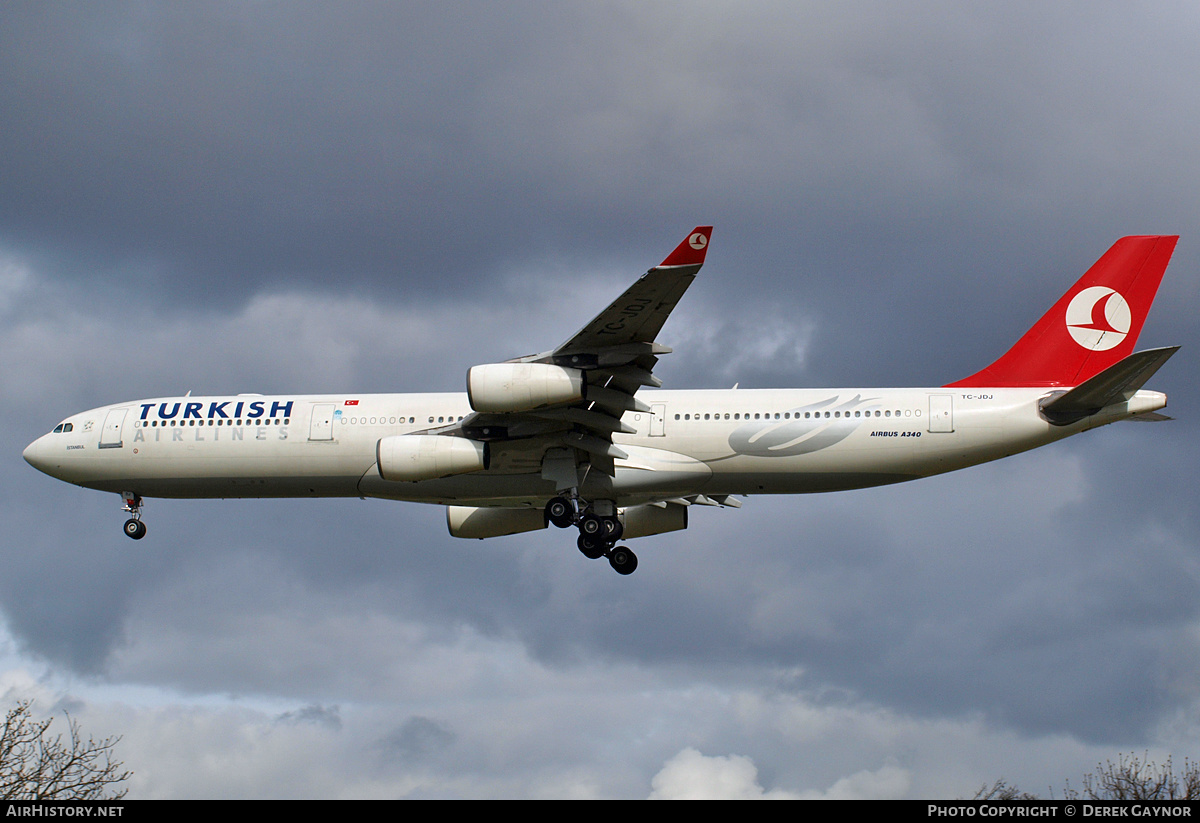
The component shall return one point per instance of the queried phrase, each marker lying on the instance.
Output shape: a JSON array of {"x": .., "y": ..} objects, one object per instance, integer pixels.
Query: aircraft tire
[
  {"x": 613, "y": 528},
  {"x": 135, "y": 529},
  {"x": 622, "y": 560},
  {"x": 559, "y": 512},
  {"x": 591, "y": 525},
  {"x": 592, "y": 548}
]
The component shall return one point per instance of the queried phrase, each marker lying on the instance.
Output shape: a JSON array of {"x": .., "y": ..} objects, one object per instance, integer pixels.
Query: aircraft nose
[{"x": 31, "y": 455}]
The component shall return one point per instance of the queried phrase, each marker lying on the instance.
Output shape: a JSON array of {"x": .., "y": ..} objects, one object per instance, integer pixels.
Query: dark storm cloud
[
  {"x": 236, "y": 145},
  {"x": 161, "y": 135},
  {"x": 327, "y": 716},
  {"x": 418, "y": 738},
  {"x": 213, "y": 149},
  {"x": 260, "y": 197}
]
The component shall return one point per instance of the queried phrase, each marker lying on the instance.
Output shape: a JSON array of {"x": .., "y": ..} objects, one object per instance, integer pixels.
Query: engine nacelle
[
  {"x": 468, "y": 521},
  {"x": 640, "y": 521},
  {"x": 412, "y": 457},
  {"x": 518, "y": 387}
]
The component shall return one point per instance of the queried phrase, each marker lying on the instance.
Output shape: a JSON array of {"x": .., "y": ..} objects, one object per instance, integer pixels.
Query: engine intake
[
  {"x": 413, "y": 457},
  {"x": 518, "y": 387}
]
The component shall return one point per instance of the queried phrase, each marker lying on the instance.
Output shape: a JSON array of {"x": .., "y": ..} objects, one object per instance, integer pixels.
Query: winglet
[{"x": 692, "y": 250}]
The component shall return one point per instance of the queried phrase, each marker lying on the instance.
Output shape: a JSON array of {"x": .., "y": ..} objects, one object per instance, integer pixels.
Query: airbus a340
[{"x": 570, "y": 437}]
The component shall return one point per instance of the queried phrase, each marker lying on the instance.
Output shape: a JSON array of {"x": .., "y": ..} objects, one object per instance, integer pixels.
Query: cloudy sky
[{"x": 272, "y": 197}]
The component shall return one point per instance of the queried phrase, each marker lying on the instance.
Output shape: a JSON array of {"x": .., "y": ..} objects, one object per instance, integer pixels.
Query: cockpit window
[{"x": 63, "y": 427}]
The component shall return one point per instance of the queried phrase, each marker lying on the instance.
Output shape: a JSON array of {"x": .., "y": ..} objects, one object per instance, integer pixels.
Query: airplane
[{"x": 568, "y": 437}]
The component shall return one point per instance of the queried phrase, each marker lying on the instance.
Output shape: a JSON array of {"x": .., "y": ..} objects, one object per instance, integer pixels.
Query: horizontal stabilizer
[
  {"x": 1151, "y": 417},
  {"x": 1115, "y": 384}
]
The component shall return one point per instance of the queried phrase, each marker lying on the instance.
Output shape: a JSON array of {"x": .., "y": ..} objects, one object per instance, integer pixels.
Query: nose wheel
[{"x": 134, "y": 527}]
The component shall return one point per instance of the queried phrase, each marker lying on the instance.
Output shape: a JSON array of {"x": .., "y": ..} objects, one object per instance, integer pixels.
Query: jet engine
[
  {"x": 641, "y": 521},
  {"x": 412, "y": 457},
  {"x": 471, "y": 522},
  {"x": 518, "y": 387}
]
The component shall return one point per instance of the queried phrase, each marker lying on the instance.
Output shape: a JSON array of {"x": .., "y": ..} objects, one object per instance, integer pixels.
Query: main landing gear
[
  {"x": 134, "y": 527},
  {"x": 598, "y": 534}
]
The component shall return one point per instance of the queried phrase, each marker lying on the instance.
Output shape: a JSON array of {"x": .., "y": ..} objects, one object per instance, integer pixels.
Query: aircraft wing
[
  {"x": 615, "y": 353},
  {"x": 637, "y": 316}
]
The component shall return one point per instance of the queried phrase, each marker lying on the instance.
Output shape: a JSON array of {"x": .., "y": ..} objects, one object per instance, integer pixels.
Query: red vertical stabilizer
[{"x": 1093, "y": 326}]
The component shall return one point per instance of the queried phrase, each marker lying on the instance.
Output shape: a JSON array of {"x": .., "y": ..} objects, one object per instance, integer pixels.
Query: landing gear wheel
[
  {"x": 560, "y": 512},
  {"x": 622, "y": 560},
  {"x": 592, "y": 547},
  {"x": 135, "y": 529},
  {"x": 612, "y": 528},
  {"x": 591, "y": 525}
]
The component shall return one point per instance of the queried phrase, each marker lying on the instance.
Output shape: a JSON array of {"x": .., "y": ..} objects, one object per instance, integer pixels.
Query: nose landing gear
[{"x": 134, "y": 527}]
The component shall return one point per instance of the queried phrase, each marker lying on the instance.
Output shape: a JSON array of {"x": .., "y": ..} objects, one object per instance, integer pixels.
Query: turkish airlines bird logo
[
  {"x": 697, "y": 241},
  {"x": 1098, "y": 318}
]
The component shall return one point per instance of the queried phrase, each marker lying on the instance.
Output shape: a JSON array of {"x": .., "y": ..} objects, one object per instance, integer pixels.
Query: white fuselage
[{"x": 711, "y": 442}]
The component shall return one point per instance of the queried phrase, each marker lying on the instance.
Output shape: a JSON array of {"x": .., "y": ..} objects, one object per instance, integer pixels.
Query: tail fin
[{"x": 1092, "y": 327}]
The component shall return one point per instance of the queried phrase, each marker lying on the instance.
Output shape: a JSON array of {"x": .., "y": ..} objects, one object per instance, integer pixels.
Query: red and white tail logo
[
  {"x": 1098, "y": 318},
  {"x": 1093, "y": 326},
  {"x": 692, "y": 250}
]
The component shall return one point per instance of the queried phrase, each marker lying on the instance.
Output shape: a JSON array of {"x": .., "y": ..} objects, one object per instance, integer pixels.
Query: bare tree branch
[
  {"x": 35, "y": 765},
  {"x": 1130, "y": 778},
  {"x": 1140, "y": 778}
]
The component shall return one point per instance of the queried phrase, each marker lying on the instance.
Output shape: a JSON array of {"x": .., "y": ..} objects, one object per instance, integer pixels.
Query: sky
[{"x": 373, "y": 197}]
